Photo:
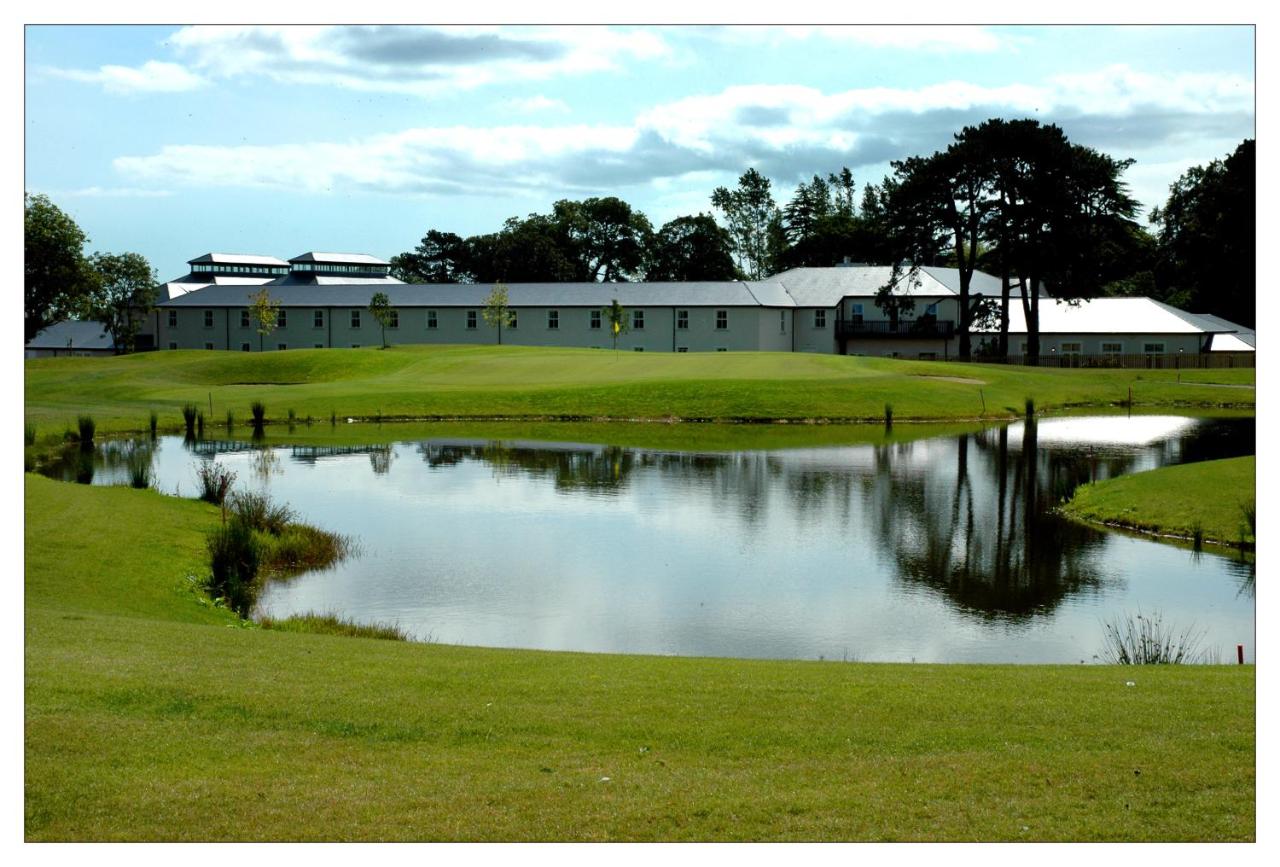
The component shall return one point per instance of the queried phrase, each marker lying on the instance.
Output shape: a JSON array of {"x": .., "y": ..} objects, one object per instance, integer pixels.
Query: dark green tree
[
  {"x": 1206, "y": 258},
  {"x": 440, "y": 257},
  {"x": 532, "y": 250},
  {"x": 753, "y": 220},
  {"x": 126, "y": 289},
  {"x": 691, "y": 248},
  {"x": 605, "y": 236},
  {"x": 57, "y": 280}
]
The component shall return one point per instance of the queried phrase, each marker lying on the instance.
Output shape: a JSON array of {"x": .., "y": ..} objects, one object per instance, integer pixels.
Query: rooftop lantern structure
[
  {"x": 339, "y": 265},
  {"x": 237, "y": 265}
]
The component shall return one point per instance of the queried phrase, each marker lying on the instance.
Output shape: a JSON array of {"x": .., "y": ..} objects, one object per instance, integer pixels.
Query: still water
[{"x": 940, "y": 549}]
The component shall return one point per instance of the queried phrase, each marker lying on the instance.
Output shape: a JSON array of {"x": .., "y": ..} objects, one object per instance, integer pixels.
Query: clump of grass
[
  {"x": 214, "y": 481},
  {"x": 333, "y": 418},
  {"x": 259, "y": 412},
  {"x": 154, "y": 420},
  {"x": 140, "y": 475},
  {"x": 1197, "y": 535},
  {"x": 1144, "y": 640},
  {"x": 292, "y": 417},
  {"x": 888, "y": 416},
  {"x": 86, "y": 427},
  {"x": 333, "y": 624},
  {"x": 200, "y": 425},
  {"x": 189, "y": 412},
  {"x": 1030, "y": 407},
  {"x": 301, "y": 547},
  {"x": 231, "y": 420},
  {"x": 235, "y": 555},
  {"x": 259, "y": 512},
  {"x": 29, "y": 434}
]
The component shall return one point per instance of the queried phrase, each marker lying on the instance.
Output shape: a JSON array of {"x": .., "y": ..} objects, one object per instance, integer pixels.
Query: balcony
[{"x": 924, "y": 327}]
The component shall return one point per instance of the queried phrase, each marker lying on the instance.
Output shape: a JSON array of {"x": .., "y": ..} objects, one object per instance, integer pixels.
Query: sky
[{"x": 177, "y": 141}]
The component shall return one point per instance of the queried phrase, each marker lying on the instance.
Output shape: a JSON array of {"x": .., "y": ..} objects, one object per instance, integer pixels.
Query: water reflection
[{"x": 941, "y": 548}]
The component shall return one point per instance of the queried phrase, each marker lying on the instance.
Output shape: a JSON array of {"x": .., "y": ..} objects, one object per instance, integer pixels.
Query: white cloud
[
  {"x": 786, "y": 131},
  {"x": 934, "y": 38},
  {"x": 151, "y": 77},
  {"x": 424, "y": 61},
  {"x": 113, "y": 193}
]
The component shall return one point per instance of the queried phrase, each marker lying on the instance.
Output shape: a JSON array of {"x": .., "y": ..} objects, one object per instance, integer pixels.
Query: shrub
[
  {"x": 299, "y": 547},
  {"x": 234, "y": 557},
  {"x": 260, "y": 513},
  {"x": 259, "y": 412},
  {"x": 1145, "y": 640},
  {"x": 29, "y": 434},
  {"x": 214, "y": 481},
  {"x": 87, "y": 427},
  {"x": 189, "y": 418}
]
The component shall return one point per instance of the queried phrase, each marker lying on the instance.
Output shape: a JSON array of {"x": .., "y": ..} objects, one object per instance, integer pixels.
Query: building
[
  {"x": 324, "y": 303},
  {"x": 71, "y": 338}
]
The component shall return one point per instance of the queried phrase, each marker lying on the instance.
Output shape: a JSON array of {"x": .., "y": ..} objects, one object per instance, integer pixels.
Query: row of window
[
  {"x": 553, "y": 319},
  {"x": 240, "y": 269},
  {"x": 1105, "y": 347},
  {"x": 246, "y": 347}
]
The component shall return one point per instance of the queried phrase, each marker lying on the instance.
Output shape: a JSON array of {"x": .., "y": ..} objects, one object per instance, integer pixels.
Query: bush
[
  {"x": 1144, "y": 640},
  {"x": 300, "y": 547},
  {"x": 87, "y": 427},
  {"x": 259, "y": 412},
  {"x": 234, "y": 557},
  {"x": 214, "y": 482},
  {"x": 189, "y": 418},
  {"x": 260, "y": 513}
]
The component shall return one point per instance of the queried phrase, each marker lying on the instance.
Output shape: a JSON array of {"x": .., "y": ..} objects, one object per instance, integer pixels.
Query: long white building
[{"x": 324, "y": 303}]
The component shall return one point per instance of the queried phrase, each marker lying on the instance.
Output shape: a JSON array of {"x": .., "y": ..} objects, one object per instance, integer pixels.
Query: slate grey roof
[
  {"x": 824, "y": 287},
  {"x": 237, "y": 259},
  {"x": 349, "y": 294},
  {"x": 74, "y": 335},
  {"x": 1246, "y": 336},
  {"x": 308, "y": 279},
  {"x": 338, "y": 258}
]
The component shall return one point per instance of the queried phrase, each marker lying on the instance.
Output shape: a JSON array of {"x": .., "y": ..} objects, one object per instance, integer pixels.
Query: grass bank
[
  {"x": 1211, "y": 500},
  {"x": 151, "y": 714},
  {"x": 500, "y": 382}
]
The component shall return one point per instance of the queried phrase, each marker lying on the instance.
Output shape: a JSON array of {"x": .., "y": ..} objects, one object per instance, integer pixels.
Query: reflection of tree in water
[
  {"x": 266, "y": 463},
  {"x": 604, "y": 469},
  {"x": 380, "y": 459},
  {"x": 981, "y": 533}
]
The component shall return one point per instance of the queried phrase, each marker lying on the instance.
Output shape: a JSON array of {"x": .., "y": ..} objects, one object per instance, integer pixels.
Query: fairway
[
  {"x": 506, "y": 382},
  {"x": 151, "y": 715}
]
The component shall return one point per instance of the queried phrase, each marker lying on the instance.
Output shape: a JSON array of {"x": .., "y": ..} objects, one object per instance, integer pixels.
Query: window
[
  {"x": 244, "y": 347},
  {"x": 355, "y": 346},
  {"x": 471, "y": 320},
  {"x": 1112, "y": 348},
  {"x": 682, "y": 319},
  {"x": 173, "y": 319},
  {"x": 208, "y": 345},
  {"x": 282, "y": 318},
  {"x": 208, "y": 319},
  {"x": 317, "y": 318},
  {"x": 638, "y": 348},
  {"x": 682, "y": 349},
  {"x": 172, "y": 345},
  {"x": 637, "y": 320},
  {"x": 782, "y": 321},
  {"x": 244, "y": 318},
  {"x": 722, "y": 349},
  {"x": 1153, "y": 348},
  {"x": 927, "y": 356},
  {"x": 394, "y": 320},
  {"x": 355, "y": 318},
  {"x": 856, "y": 315},
  {"x": 932, "y": 309},
  {"x": 1022, "y": 348},
  {"x": 722, "y": 320},
  {"x": 512, "y": 319},
  {"x": 319, "y": 346},
  {"x": 431, "y": 320},
  {"x": 595, "y": 318},
  {"x": 1070, "y": 347},
  {"x": 282, "y": 346},
  {"x": 819, "y": 319},
  {"x": 553, "y": 319}
]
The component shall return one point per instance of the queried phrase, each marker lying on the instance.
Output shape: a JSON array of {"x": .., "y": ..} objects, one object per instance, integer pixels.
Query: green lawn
[
  {"x": 532, "y": 382},
  {"x": 150, "y": 715},
  {"x": 1210, "y": 497}
]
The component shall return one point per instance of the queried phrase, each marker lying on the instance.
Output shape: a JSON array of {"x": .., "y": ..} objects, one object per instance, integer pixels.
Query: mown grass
[
  {"x": 147, "y": 717},
  {"x": 539, "y": 382},
  {"x": 1211, "y": 499}
]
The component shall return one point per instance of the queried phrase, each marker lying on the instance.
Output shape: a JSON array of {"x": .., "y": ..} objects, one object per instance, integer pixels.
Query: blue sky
[{"x": 174, "y": 141}]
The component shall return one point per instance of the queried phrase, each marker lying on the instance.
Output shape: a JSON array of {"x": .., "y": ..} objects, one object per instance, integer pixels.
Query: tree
[
  {"x": 691, "y": 248},
  {"x": 125, "y": 288},
  {"x": 380, "y": 310},
  {"x": 532, "y": 250},
  {"x": 616, "y": 316},
  {"x": 750, "y": 211},
  {"x": 58, "y": 282},
  {"x": 1206, "y": 257},
  {"x": 440, "y": 257},
  {"x": 497, "y": 308},
  {"x": 265, "y": 312},
  {"x": 604, "y": 236}
]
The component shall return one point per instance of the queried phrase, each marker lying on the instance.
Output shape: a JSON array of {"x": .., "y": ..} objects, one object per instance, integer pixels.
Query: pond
[{"x": 935, "y": 549}]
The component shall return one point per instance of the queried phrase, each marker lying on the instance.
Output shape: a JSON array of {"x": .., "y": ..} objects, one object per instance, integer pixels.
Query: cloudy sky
[{"x": 176, "y": 141}]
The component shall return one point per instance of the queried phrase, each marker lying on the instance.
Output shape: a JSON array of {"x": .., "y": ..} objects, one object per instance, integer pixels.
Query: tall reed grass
[{"x": 1143, "y": 639}]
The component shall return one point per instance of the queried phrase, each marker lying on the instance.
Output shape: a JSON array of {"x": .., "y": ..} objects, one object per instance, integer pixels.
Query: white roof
[
  {"x": 1109, "y": 316},
  {"x": 237, "y": 259},
  {"x": 339, "y": 258},
  {"x": 183, "y": 285}
]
